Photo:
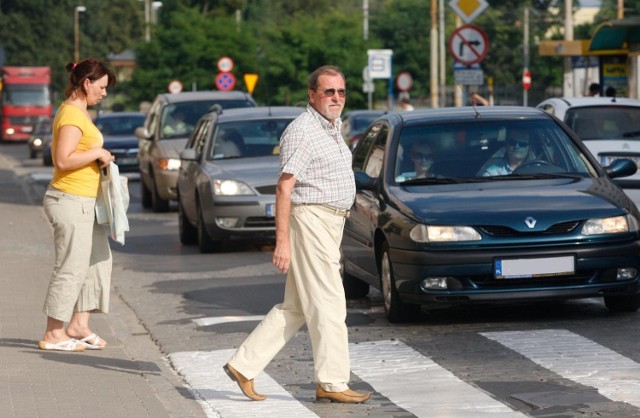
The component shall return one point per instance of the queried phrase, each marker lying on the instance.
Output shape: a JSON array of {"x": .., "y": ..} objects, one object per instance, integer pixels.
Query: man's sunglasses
[
  {"x": 331, "y": 92},
  {"x": 422, "y": 155},
  {"x": 519, "y": 144}
]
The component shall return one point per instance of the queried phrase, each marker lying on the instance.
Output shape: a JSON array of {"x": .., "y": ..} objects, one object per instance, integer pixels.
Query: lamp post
[
  {"x": 76, "y": 31},
  {"x": 150, "y": 16}
]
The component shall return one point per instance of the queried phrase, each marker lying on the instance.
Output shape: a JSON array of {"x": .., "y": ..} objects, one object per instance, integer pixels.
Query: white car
[{"x": 608, "y": 126}]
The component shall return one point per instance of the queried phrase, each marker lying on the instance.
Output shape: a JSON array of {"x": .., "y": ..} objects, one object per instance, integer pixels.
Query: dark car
[
  {"x": 355, "y": 122},
  {"x": 168, "y": 125},
  {"x": 118, "y": 130},
  {"x": 555, "y": 227},
  {"x": 41, "y": 131},
  {"x": 228, "y": 175}
]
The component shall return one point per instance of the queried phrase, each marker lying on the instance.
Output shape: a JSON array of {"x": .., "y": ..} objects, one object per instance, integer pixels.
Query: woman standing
[{"x": 81, "y": 277}]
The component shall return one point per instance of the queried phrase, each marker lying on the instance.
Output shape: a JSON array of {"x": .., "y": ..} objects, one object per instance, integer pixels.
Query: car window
[
  {"x": 481, "y": 149},
  {"x": 604, "y": 122},
  {"x": 119, "y": 124},
  {"x": 362, "y": 151},
  {"x": 179, "y": 119},
  {"x": 200, "y": 135},
  {"x": 250, "y": 138}
]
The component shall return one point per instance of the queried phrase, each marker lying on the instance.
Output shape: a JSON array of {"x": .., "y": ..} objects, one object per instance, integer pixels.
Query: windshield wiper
[{"x": 437, "y": 180}]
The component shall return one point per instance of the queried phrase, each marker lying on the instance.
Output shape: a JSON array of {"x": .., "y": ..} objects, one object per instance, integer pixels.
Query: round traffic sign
[
  {"x": 404, "y": 81},
  {"x": 175, "y": 87},
  {"x": 225, "y": 64},
  {"x": 469, "y": 45},
  {"x": 225, "y": 81},
  {"x": 526, "y": 79}
]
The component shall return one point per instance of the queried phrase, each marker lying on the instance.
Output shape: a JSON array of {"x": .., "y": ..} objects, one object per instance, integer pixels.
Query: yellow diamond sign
[{"x": 468, "y": 9}]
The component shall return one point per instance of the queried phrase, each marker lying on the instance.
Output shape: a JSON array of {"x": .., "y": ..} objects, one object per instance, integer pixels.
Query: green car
[{"x": 464, "y": 205}]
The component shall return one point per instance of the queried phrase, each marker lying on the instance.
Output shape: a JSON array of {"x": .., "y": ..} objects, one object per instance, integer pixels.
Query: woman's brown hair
[{"x": 89, "y": 68}]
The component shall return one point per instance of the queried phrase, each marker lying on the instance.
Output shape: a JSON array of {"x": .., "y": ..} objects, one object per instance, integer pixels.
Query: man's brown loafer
[
  {"x": 348, "y": 396},
  {"x": 246, "y": 385}
]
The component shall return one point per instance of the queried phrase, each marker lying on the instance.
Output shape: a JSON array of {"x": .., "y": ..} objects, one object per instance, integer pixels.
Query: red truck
[{"x": 26, "y": 97}]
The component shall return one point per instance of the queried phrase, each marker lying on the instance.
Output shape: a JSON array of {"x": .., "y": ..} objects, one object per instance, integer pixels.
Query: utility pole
[
  {"x": 434, "y": 53},
  {"x": 620, "y": 13},
  {"x": 567, "y": 86}
]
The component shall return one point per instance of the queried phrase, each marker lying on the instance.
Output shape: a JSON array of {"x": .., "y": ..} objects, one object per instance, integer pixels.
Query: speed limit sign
[
  {"x": 175, "y": 87},
  {"x": 225, "y": 64}
]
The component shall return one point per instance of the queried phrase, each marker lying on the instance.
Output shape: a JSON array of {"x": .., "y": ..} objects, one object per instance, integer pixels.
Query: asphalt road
[{"x": 570, "y": 359}]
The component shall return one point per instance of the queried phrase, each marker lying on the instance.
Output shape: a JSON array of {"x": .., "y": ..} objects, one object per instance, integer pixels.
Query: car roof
[
  {"x": 191, "y": 96},
  {"x": 466, "y": 113},
  {"x": 257, "y": 112},
  {"x": 118, "y": 114},
  {"x": 364, "y": 112},
  {"x": 591, "y": 101}
]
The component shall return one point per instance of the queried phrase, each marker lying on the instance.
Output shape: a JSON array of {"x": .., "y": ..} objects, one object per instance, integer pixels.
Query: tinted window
[
  {"x": 251, "y": 138},
  {"x": 466, "y": 150},
  {"x": 179, "y": 119},
  {"x": 604, "y": 122},
  {"x": 119, "y": 125}
]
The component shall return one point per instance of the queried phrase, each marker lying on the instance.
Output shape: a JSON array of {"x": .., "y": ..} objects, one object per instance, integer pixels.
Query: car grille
[
  {"x": 269, "y": 189},
  {"x": 505, "y": 231},
  {"x": 260, "y": 222}
]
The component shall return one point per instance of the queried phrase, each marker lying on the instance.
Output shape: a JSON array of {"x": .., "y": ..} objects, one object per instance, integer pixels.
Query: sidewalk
[{"x": 130, "y": 378}]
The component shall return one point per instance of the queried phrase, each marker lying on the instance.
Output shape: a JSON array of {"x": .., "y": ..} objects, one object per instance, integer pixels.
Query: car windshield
[
  {"x": 179, "y": 119},
  {"x": 604, "y": 122},
  {"x": 250, "y": 138},
  {"x": 119, "y": 124},
  {"x": 482, "y": 151}
]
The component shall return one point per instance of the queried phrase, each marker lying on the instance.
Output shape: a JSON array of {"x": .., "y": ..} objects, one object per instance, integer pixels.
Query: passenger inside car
[
  {"x": 517, "y": 149},
  {"x": 229, "y": 144},
  {"x": 421, "y": 156}
]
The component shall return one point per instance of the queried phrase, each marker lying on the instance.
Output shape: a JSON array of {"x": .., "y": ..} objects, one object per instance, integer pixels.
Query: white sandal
[
  {"x": 69, "y": 345},
  {"x": 95, "y": 344}
]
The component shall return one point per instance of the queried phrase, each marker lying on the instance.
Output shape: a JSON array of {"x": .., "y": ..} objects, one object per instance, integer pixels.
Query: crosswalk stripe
[
  {"x": 220, "y": 396},
  {"x": 419, "y": 385},
  {"x": 579, "y": 359}
]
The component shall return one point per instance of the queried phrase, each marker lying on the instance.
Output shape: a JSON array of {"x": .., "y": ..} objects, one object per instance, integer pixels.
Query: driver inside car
[{"x": 517, "y": 150}]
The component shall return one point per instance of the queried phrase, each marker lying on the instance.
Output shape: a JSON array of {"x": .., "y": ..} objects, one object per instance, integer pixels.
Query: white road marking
[
  {"x": 220, "y": 396},
  {"x": 203, "y": 322},
  {"x": 579, "y": 359},
  {"x": 419, "y": 385}
]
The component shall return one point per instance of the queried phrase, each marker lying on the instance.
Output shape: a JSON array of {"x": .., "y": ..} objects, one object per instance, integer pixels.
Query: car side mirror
[
  {"x": 621, "y": 168},
  {"x": 365, "y": 182},
  {"x": 142, "y": 133},
  {"x": 188, "y": 154}
]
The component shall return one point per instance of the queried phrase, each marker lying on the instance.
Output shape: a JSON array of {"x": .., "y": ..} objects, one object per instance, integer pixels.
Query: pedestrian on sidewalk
[
  {"x": 314, "y": 193},
  {"x": 81, "y": 278}
]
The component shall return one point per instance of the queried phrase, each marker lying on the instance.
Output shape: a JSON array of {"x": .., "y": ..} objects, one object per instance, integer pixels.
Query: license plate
[
  {"x": 270, "y": 210},
  {"x": 520, "y": 268},
  {"x": 127, "y": 161}
]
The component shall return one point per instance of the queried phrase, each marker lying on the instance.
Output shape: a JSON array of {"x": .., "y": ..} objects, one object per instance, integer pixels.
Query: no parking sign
[{"x": 225, "y": 81}]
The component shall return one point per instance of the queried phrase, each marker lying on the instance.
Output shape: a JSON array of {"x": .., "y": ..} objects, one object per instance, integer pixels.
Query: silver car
[
  {"x": 166, "y": 129},
  {"x": 228, "y": 175}
]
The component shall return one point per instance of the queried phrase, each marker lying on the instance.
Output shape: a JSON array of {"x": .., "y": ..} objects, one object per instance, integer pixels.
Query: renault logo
[{"x": 531, "y": 222}]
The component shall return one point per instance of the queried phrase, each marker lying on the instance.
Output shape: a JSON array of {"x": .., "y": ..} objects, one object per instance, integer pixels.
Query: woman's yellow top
[{"x": 83, "y": 181}]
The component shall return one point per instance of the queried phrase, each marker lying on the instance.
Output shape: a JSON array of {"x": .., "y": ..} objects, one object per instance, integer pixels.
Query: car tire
[
  {"x": 205, "y": 243},
  {"x": 158, "y": 204},
  {"x": 47, "y": 159},
  {"x": 622, "y": 303},
  {"x": 394, "y": 309},
  {"x": 354, "y": 288},
  {"x": 145, "y": 194},
  {"x": 188, "y": 233}
]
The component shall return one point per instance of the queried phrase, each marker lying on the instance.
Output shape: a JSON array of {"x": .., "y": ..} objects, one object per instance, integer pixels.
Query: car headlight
[
  {"x": 431, "y": 233},
  {"x": 168, "y": 164},
  {"x": 231, "y": 188},
  {"x": 613, "y": 225}
]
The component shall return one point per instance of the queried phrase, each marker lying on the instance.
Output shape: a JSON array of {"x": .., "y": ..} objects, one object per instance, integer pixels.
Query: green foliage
[{"x": 282, "y": 41}]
